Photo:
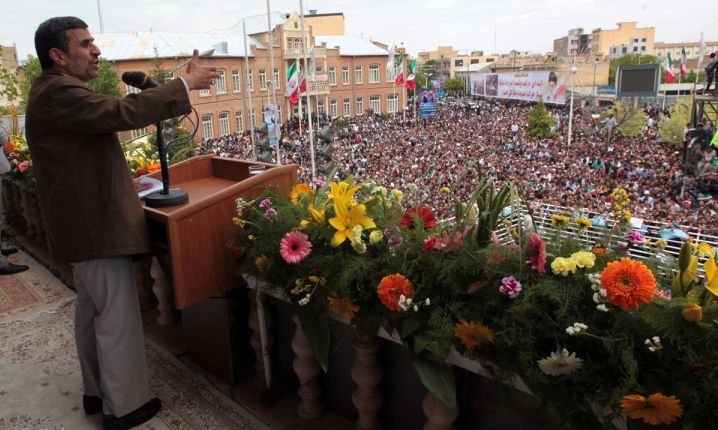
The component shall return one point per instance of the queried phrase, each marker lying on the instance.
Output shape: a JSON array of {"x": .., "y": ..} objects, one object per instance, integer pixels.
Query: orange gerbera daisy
[
  {"x": 391, "y": 288},
  {"x": 654, "y": 410},
  {"x": 343, "y": 307},
  {"x": 628, "y": 283},
  {"x": 472, "y": 333},
  {"x": 299, "y": 191}
]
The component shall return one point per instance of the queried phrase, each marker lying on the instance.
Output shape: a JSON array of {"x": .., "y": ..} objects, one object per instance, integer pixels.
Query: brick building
[{"x": 350, "y": 73}]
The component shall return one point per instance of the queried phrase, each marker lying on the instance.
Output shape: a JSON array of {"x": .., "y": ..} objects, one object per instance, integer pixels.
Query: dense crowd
[{"x": 444, "y": 156}]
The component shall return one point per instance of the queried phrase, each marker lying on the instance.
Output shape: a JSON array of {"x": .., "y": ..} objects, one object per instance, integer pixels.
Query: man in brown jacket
[{"x": 93, "y": 217}]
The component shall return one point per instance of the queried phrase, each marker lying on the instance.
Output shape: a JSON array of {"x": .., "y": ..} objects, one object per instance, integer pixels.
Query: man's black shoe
[
  {"x": 140, "y": 415},
  {"x": 8, "y": 251},
  {"x": 92, "y": 405},
  {"x": 11, "y": 269}
]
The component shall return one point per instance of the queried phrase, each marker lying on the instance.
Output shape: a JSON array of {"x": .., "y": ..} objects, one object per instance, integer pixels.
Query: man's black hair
[
  {"x": 52, "y": 34},
  {"x": 552, "y": 77}
]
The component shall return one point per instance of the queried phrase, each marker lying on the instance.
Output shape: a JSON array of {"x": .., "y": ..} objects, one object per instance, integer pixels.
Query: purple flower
[
  {"x": 271, "y": 214},
  {"x": 395, "y": 241},
  {"x": 635, "y": 237},
  {"x": 510, "y": 286},
  {"x": 264, "y": 204},
  {"x": 320, "y": 183}
]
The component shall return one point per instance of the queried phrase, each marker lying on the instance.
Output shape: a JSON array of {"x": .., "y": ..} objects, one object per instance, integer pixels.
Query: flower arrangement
[
  {"x": 18, "y": 155},
  {"x": 595, "y": 333}
]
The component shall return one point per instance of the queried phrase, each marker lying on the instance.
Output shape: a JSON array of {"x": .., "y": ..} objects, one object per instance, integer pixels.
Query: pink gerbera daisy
[
  {"x": 294, "y": 247},
  {"x": 536, "y": 251}
]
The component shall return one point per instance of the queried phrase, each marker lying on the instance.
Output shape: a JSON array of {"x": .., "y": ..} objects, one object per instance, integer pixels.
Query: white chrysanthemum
[{"x": 560, "y": 363}]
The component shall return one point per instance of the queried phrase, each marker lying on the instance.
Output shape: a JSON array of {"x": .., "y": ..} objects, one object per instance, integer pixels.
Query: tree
[
  {"x": 9, "y": 85},
  {"x": 158, "y": 73},
  {"x": 107, "y": 82},
  {"x": 540, "y": 122},
  {"x": 32, "y": 70},
  {"x": 454, "y": 85},
  {"x": 629, "y": 59},
  {"x": 629, "y": 121},
  {"x": 672, "y": 128}
]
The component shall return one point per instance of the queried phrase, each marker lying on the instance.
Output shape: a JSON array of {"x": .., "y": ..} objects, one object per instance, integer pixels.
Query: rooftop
[{"x": 350, "y": 46}]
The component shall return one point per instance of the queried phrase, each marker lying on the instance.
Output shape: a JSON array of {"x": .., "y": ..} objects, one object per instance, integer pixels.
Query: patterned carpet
[{"x": 40, "y": 381}]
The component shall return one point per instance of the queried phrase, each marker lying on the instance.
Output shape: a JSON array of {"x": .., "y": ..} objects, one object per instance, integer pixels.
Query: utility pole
[{"x": 270, "y": 36}]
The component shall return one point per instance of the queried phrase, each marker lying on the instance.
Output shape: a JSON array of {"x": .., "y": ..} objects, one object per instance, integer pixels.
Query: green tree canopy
[
  {"x": 629, "y": 59},
  {"x": 672, "y": 128},
  {"x": 454, "y": 85},
  {"x": 629, "y": 121},
  {"x": 541, "y": 122}
]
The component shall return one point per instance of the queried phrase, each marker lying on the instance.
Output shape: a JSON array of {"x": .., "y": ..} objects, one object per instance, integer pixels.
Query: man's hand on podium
[{"x": 199, "y": 77}]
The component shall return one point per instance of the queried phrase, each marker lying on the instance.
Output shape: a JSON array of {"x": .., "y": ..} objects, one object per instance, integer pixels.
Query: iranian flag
[
  {"x": 670, "y": 77},
  {"x": 400, "y": 70},
  {"x": 411, "y": 82},
  {"x": 683, "y": 63},
  {"x": 293, "y": 83}
]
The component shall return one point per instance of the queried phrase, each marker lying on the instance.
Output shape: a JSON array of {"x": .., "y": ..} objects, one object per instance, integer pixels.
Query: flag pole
[
  {"x": 270, "y": 37},
  {"x": 701, "y": 53},
  {"x": 309, "y": 100},
  {"x": 247, "y": 94}
]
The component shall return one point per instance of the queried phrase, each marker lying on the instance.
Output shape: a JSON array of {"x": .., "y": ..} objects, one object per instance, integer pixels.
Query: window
[
  {"x": 375, "y": 104},
  {"x": 635, "y": 49},
  {"x": 392, "y": 103},
  {"x": 251, "y": 118},
  {"x": 345, "y": 75},
  {"x": 223, "y": 123},
  {"x": 359, "y": 106},
  {"x": 238, "y": 121},
  {"x": 320, "y": 107},
  {"x": 207, "y": 129},
  {"x": 262, "y": 79},
  {"x": 204, "y": 93},
  {"x": 250, "y": 80},
  {"x": 374, "y": 74},
  {"x": 236, "y": 82},
  {"x": 635, "y": 40},
  {"x": 221, "y": 82},
  {"x": 643, "y": 48},
  {"x": 279, "y": 114},
  {"x": 624, "y": 50},
  {"x": 643, "y": 40},
  {"x": 333, "y": 108},
  {"x": 459, "y": 63},
  {"x": 474, "y": 61},
  {"x": 358, "y": 75},
  {"x": 347, "y": 108},
  {"x": 275, "y": 79},
  {"x": 332, "y": 76},
  {"x": 136, "y": 134}
]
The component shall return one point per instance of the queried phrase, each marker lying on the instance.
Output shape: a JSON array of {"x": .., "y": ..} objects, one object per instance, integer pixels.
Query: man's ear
[{"x": 57, "y": 56}]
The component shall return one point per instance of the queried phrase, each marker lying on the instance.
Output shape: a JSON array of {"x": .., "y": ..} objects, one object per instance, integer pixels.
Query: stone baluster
[
  {"x": 438, "y": 415},
  {"x": 256, "y": 341},
  {"x": 164, "y": 293},
  {"x": 367, "y": 373},
  {"x": 307, "y": 369}
]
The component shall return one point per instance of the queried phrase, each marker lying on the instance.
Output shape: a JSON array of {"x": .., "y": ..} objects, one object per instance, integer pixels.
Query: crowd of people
[{"x": 445, "y": 156}]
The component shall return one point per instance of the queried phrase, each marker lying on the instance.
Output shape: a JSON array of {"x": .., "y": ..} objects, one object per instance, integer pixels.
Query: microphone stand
[{"x": 166, "y": 197}]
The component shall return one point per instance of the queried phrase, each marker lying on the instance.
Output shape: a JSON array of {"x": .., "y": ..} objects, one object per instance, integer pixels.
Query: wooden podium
[
  {"x": 196, "y": 236},
  {"x": 197, "y": 233}
]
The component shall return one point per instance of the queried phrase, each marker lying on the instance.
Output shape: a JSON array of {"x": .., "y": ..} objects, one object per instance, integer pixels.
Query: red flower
[
  {"x": 391, "y": 288},
  {"x": 237, "y": 253},
  {"x": 429, "y": 243},
  {"x": 420, "y": 212},
  {"x": 536, "y": 251}
]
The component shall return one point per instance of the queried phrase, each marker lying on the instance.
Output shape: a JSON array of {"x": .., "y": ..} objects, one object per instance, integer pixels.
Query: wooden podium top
[{"x": 198, "y": 233}]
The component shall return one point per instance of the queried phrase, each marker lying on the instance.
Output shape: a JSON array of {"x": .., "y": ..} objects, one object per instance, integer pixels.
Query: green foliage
[
  {"x": 9, "y": 85},
  {"x": 32, "y": 71},
  {"x": 454, "y": 85},
  {"x": 158, "y": 73},
  {"x": 629, "y": 121},
  {"x": 541, "y": 122},
  {"x": 672, "y": 128},
  {"x": 626, "y": 60},
  {"x": 107, "y": 82},
  {"x": 341, "y": 122}
]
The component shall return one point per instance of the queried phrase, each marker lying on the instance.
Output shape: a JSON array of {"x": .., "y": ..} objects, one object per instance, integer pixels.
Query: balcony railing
[
  {"x": 296, "y": 53},
  {"x": 315, "y": 88}
]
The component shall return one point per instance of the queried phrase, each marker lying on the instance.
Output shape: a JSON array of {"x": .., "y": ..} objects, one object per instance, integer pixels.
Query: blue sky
[{"x": 525, "y": 25}]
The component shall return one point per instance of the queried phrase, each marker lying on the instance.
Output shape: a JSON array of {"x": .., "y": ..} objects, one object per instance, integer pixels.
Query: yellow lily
[
  {"x": 342, "y": 193},
  {"x": 346, "y": 219},
  {"x": 316, "y": 216},
  {"x": 710, "y": 268}
]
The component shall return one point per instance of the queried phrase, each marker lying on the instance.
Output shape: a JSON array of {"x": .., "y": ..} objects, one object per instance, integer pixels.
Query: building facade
[
  {"x": 635, "y": 40},
  {"x": 691, "y": 48},
  {"x": 8, "y": 61},
  {"x": 575, "y": 43},
  {"x": 350, "y": 75}
]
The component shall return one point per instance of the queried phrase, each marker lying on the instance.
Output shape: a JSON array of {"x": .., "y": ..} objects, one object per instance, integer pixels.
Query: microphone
[{"x": 138, "y": 80}]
